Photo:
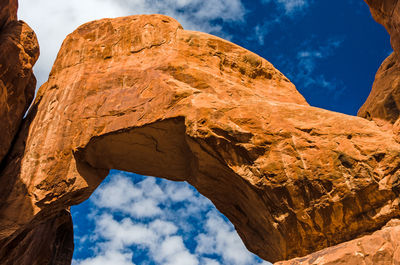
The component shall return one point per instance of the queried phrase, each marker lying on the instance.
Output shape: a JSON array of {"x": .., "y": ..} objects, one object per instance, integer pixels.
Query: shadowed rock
[
  {"x": 8, "y": 11},
  {"x": 387, "y": 13},
  {"x": 383, "y": 103},
  {"x": 19, "y": 51}
]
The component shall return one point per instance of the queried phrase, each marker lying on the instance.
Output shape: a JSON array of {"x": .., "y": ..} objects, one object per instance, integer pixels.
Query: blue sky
[
  {"x": 329, "y": 49},
  {"x": 132, "y": 219}
]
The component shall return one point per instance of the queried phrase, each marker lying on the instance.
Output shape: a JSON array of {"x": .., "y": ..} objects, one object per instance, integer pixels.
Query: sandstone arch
[{"x": 123, "y": 91}]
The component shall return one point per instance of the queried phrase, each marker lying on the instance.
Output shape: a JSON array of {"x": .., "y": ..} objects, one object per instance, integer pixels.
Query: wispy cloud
[
  {"x": 303, "y": 68},
  {"x": 290, "y": 6},
  {"x": 186, "y": 229},
  {"x": 53, "y": 20},
  {"x": 283, "y": 10}
]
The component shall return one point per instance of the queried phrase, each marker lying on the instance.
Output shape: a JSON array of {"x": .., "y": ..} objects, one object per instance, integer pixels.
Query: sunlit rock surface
[
  {"x": 382, "y": 107},
  {"x": 380, "y": 248},
  {"x": 141, "y": 94}
]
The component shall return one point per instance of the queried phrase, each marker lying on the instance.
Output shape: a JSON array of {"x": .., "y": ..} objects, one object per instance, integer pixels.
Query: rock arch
[{"x": 141, "y": 94}]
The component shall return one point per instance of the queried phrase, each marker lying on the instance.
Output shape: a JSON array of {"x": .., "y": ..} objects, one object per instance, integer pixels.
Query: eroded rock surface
[
  {"x": 383, "y": 103},
  {"x": 19, "y": 51},
  {"x": 8, "y": 11},
  {"x": 383, "y": 107},
  {"x": 141, "y": 94},
  {"x": 387, "y": 13},
  {"x": 380, "y": 248},
  {"x": 50, "y": 242}
]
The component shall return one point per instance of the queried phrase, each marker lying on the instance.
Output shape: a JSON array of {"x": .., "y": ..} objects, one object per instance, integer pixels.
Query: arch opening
[
  {"x": 133, "y": 219},
  {"x": 163, "y": 149}
]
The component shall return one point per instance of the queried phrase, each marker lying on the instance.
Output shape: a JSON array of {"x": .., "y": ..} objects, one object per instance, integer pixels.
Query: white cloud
[
  {"x": 293, "y": 5},
  {"x": 186, "y": 217},
  {"x": 290, "y": 6},
  {"x": 207, "y": 261},
  {"x": 262, "y": 30},
  {"x": 173, "y": 252},
  {"x": 52, "y": 20},
  {"x": 110, "y": 257},
  {"x": 220, "y": 238}
]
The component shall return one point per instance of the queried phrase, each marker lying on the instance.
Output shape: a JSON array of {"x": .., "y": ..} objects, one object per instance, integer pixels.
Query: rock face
[
  {"x": 8, "y": 11},
  {"x": 19, "y": 51},
  {"x": 380, "y": 248},
  {"x": 383, "y": 107},
  {"x": 50, "y": 242},
  {"x": 383, "y": 103},
  {"x": 141, "y": 94},
  {"x": 387, "y": 13}
]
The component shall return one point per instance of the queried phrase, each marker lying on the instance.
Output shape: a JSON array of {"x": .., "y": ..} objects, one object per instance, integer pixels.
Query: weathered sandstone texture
[
  {"x": 383, "y": 107},
  {"x": 387, "y": 13},
  {"x": 383, "y": 103},
  {"x": 19, "y": 51},
  {"x": 49, "y": 243},
  {"x": 380, "y": 248},
  {"x": 141, "y": 94},
  {"x": 8, "y": 11}
]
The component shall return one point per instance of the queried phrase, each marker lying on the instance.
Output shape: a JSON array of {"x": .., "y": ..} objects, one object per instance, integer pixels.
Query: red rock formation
[
  {"x": 383, "y": 103},
  {"x": 50, "y": 242},
  {"x": 387, "y": 13},
  {"x": 383, "y": 107},
  {"x": 19, "y": 51},
  {"x": 141, "y": 94},
  {"x": 8, "y": 11},
  {"x": 380, "y": 248}
]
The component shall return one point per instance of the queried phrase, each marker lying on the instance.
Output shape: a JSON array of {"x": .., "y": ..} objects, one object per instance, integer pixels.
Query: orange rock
[
  {"x": 380, "y": 248},
  {"x": 19, "y": 51},
  {"x": 50, "y": 242},
  {"x": 387, "y": 13},
  {"x": 383, "y": 103},
  {"x": 8, "y": 11},
  {"x": 141, "y": 94}
]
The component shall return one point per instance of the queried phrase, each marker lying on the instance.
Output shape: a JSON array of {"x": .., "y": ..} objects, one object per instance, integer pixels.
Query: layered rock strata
[{"x": 141, "y": 94}]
